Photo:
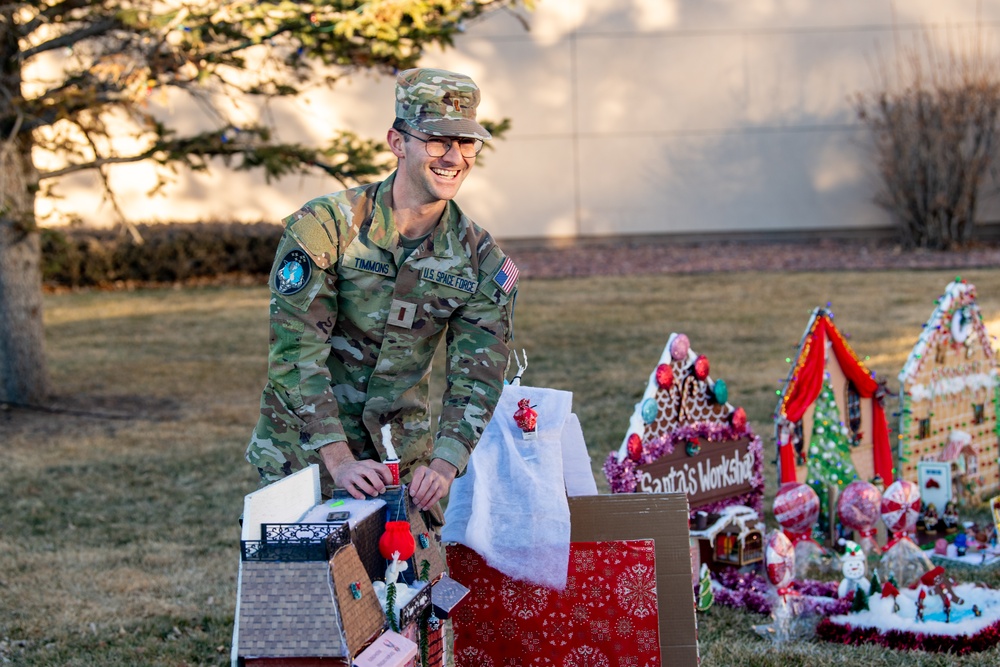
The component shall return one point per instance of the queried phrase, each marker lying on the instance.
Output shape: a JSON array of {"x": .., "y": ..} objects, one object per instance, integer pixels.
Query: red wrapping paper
[{"x": 606, "y": 617}]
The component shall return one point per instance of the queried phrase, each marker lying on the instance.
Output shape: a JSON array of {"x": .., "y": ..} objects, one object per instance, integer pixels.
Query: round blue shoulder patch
[{"x": 293, "y": 273}]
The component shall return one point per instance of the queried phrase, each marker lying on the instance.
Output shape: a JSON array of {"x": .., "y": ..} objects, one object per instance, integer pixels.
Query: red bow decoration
[{"x": 896, "y": 538}]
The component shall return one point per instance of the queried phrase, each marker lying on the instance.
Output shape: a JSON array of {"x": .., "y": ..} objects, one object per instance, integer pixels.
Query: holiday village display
[
  {"x": 685, "y": 437},
  {"x": 906, "y": 603},
  {"x": 572, "y": 578},
  {"x": 344, "y": 581},
  {"x": 935, "y": 614},
  {"x": 949, "y": 403}
]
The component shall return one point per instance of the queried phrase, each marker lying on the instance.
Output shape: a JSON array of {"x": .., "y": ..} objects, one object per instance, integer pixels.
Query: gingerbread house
[
  {"x": 824, "y": 357},
  {"x": 948, "y": 400},
  {"x": 685, "y": 437},
  {"x": 309, "y": 570}
]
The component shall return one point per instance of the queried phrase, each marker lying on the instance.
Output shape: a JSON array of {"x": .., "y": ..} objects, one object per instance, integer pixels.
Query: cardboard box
[{"x": 664, "y": 519}]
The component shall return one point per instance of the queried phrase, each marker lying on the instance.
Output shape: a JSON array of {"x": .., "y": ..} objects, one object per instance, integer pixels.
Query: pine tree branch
[
  {"x": 69, "y": 39},
  {"x": 53, "y": 14}
]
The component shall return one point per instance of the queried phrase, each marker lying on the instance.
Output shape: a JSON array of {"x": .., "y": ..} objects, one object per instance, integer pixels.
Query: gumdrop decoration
[
  {"x": 664, "y": 376},
  {"x": 634, "y": 447},
  {"x": 526, "y": 418},
  {"x": 738, "y": 418},
  {"x": 701, "y": 367},
  {"x": 649, "y": 410},
  {"x": 680, "y": 347},
  {"x": 721, "y": 392}
]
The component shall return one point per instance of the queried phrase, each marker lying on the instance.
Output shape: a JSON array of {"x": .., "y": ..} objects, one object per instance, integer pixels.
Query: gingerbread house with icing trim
[
  {"x": 685, "y": 437},
  {"x": 948, "y": 396},
  {"x": 824, "y": 355}
]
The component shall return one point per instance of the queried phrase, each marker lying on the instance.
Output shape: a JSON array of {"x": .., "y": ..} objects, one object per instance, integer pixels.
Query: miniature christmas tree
[
  {"x": 829, "y": 461},
  {"x": 705, "y": 596},
  {"x": 876, "y": 582},
  {"x": 860, "y": 602}
]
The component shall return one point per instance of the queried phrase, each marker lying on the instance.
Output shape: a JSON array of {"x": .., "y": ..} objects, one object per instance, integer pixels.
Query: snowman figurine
[{"x": 853, "y": 565}]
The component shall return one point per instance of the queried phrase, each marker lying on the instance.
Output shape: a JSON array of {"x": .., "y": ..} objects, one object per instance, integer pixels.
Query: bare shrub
[{"x": 934, "y": 116}]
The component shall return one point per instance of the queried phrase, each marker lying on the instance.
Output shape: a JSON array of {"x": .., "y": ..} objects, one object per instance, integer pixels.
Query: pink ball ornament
[
  {"x": 701, "y": 367},
  {"x": 860, "y": 506},
  {"x": 779, "y": 559},
  {"x": 635, "y": 447},
  {"x": 680, "y": 347},
  {"x": 901, "y": 506},
  {"x": 796, "y": 507},
  {"x": 664, "y": 376}
]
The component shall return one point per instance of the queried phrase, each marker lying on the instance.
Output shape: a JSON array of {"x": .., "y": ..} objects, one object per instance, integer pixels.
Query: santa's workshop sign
[{"x": 704, "y": 471}]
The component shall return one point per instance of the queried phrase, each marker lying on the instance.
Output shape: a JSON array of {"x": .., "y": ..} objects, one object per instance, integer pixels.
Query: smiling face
[
  {"x": 423, "y": 180},
  {"x": 853, "y": 568}
]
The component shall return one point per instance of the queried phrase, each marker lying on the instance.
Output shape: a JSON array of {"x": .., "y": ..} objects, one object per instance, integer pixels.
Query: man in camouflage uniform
[{"x": 364, "y": 285}]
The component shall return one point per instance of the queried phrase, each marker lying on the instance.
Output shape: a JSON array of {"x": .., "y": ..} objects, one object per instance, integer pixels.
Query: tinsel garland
[
  {"x": 986, "y": 638},
  {"x": 624, "y": 478},
  {"x": 752, "y": 592}
]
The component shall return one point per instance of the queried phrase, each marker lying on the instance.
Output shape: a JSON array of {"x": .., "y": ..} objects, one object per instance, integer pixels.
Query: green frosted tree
[
  {"x": 860, "y": 602},
  {"x": 829, "y": 461},
  {"x": 705, "y": 595}
]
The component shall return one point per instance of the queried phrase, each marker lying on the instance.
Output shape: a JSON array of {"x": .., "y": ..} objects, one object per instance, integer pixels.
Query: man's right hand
[{"x": 358, "y": 478}]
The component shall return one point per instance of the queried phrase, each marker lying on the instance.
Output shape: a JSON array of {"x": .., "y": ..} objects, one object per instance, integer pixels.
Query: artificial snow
[{"x": 964, "y": 622}]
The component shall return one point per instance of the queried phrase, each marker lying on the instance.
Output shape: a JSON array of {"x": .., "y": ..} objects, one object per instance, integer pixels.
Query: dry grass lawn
[{"x": 118, "y": 517}]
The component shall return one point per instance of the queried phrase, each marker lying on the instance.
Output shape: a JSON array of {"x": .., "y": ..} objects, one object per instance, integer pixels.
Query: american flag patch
[{"x": 506, "y": 277}]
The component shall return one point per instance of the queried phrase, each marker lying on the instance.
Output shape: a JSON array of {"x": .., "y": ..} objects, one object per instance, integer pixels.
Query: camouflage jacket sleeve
[
  {"x": 478, "y": 339},
  {"x": 298, "y": 397}
]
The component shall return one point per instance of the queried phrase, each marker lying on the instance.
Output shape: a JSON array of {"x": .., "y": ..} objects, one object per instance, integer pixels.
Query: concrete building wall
[{"x": 635, "y": 117}]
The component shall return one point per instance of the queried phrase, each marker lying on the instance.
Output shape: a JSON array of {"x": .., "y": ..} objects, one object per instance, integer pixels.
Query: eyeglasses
[{"x": 439, "y": 146}]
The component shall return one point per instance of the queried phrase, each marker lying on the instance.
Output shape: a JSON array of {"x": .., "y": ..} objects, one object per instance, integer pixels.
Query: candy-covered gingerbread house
[
  {"x": 948, "y": 396},
  {"x": 825, "y": 357},
  {"x": 685, "y": 437}
]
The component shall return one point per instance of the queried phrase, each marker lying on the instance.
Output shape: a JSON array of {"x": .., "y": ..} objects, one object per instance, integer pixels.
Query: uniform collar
[{"x": 384, "y": 234}]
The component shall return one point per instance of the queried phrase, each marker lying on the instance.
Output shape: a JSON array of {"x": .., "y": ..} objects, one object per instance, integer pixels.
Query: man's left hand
[{"x": 430, "y": 484}]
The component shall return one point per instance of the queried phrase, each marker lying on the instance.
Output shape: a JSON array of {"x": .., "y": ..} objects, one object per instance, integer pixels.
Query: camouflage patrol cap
[{"x": 439, "y": 102}]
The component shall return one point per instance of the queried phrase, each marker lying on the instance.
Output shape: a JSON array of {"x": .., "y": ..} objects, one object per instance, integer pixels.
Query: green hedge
[{"x": 169, "y": 253}]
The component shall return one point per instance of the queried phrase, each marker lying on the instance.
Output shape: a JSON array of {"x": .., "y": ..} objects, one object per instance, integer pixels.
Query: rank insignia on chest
[
  {"x": 401, "y": 314},
  {"x": 293, "y": 273}
]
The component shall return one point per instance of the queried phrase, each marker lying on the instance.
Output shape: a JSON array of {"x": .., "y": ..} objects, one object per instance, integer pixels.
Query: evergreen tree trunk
[{"x": 23, "y": 373}]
